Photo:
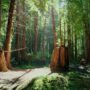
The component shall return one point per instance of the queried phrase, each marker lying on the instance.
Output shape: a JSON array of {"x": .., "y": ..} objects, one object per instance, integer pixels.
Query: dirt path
[{"x": 18, "y": 80}]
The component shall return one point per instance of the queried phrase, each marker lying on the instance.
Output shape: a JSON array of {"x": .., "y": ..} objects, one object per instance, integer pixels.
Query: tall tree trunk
[
  {"x": 64, "y": 33},
  {"x": 3, "y": 66},
  {"x": 36, "y": 33},
  {"x": 53, "y": 27},
  {"x": 0, "y": 13},
  {"x": 24, "y": 29},
  {"x": 43, "y": 42},
  {"x": 61, "y": 41},
  {"x": 86, "y": 21},
  {"x": 69, "y": 41},
  {"x": 72, "y": 43},
  {"x": 23, "y": 52},
  {"x": 7, "y": 44},
  {"x": 75, "y": 36},
  {"x": 87, "y": 36},
  {"x": 18, "y": 31}
]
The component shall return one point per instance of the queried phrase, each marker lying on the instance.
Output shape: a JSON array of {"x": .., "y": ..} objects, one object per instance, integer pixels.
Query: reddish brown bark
[
  {"x": 59, "y": 61},
  {"x": 55, "y": 60},
  {"x": 7, "y": 44},
  {"x": 0, "y": 13},
  {"x": 3, "y": 66},
  {"x": 17, "y": 30},
  {"x": 53, "y": 27}
]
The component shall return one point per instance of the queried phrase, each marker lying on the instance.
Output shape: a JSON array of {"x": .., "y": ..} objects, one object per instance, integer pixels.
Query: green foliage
[
  {"x": 52, "y": 82},
  {"x": 62, "y": 81}
]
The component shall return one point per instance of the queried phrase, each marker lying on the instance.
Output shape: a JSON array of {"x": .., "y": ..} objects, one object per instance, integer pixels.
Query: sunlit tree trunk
[
  {"x": 53, "y": 27},
  {"x": 36, "y": 33},
  {"x": 3, "y": 66},
  {"x": 7, "y": 45}
]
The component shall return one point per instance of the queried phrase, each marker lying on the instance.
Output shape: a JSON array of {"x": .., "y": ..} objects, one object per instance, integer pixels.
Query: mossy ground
[{"x": 61, "y": 81}]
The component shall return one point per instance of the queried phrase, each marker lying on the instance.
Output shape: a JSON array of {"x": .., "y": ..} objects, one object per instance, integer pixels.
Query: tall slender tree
[
  {"x": 3, "y": 66},
  {"x": 18, "y": 30},
  {"x": 0, "y": 12},
  {"x": 75, "y": 37},
  {"x": 7, "y": 45},
  {"x": 53, "y": 26},
  {"x": 69, "y": 40},
  {"x": 86, "y": 22},
  {"x": 24, "y": 28},
  {"x": 43, "y": 42},
  {"x": 36, "y": 32}
]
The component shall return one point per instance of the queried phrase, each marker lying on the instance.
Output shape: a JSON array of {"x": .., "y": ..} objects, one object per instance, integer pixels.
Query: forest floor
[
  {"x": 17, "y": 80},
  {"x": 43, "y": 79}
]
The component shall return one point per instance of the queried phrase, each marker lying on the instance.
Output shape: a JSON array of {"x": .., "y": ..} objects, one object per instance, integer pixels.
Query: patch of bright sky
[{"x": 60, "y": 5}]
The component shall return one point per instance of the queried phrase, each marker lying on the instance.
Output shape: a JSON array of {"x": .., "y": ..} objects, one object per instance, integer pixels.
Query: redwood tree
[
  {"x": 7, "y": 45},
  {"x": 35, "y": 33},
  {"x": 0, "y": 12},
  {"x": 53, "y": 26},
  {"x": 43, "y": 42},
  {"x": 18, "y": 30}
]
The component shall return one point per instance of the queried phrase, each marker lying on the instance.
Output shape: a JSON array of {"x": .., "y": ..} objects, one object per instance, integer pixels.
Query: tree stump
[
  {"x": 60, "y": 60},
  {"x": 3, "y": 66}
]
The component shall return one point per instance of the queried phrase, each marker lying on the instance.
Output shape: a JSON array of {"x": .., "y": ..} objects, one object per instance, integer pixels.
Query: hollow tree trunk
[{"x": 7, "y": 45}]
